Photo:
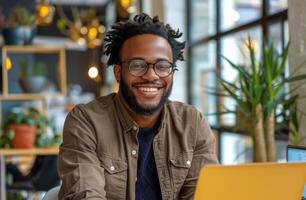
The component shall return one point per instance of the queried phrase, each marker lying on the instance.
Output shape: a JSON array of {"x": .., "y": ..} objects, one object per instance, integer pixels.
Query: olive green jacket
[{"x": 98, "y": 156}]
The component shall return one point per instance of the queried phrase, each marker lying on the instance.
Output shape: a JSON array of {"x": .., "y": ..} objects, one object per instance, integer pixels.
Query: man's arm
[
  {"x": 204, "y": 153},
  {"x": 79, "y": 168}
]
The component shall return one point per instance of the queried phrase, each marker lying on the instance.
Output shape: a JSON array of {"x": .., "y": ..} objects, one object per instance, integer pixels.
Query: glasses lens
[
  {"x": 163, "y": 68},
  {"x": 137, "y": 67}
]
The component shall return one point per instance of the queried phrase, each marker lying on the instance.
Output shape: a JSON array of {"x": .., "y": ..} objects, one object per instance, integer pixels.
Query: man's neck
[{"x": 144, "y": 121}]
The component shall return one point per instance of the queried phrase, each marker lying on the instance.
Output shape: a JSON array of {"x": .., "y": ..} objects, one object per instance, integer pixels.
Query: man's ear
[{"x": 117, "y": 72}]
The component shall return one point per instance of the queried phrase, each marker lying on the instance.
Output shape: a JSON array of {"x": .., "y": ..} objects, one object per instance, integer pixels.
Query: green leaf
[
  {"x": 240, "y": 69},
  {"x": 295, "y": 78}
]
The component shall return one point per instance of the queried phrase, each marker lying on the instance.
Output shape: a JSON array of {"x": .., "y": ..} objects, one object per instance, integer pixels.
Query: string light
[
  {"x": 8, "y": 64},
  {"x": 125, "y": 3},
  {"x": 128, "y": 5},
  {"x": 44, "y": 13},
  {"x": 93, "y": 72}
]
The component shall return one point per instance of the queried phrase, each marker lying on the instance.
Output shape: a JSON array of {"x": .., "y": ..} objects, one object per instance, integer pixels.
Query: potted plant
[
  {"x": 32, "y": 81},
  {"x": 19, "y": 28},
  {"x": 258, "y": 91},
  {"x": 24, "y": 129}
]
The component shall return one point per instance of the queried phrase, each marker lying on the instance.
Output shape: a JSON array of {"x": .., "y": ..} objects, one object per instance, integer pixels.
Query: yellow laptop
[{"x": 264, "y": 181}]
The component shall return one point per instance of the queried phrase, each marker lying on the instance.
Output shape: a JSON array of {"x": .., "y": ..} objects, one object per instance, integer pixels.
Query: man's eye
[
  {"x": 138, "y": 65},
  {"x": 163, "y": 67}
]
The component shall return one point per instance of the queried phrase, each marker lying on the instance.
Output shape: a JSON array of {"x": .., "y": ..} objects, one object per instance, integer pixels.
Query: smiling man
[{"x": 136, "y": 144}]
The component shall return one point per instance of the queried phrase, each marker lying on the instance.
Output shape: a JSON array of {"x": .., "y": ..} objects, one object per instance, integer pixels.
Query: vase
[
  {"x": 18, "y": 35},
  {"x": 33, "y": 84}
]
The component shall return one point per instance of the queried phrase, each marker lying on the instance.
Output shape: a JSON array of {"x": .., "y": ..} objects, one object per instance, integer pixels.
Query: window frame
[{"x": 263, "y": 21}]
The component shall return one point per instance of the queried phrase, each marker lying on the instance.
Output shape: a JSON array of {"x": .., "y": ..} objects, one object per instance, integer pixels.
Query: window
[
  {"x": 204, "y": 77},
  {"x": 238, "y": 12},
  {"x": 203, "y": 21},
  {"x": 221, "y": 27}
]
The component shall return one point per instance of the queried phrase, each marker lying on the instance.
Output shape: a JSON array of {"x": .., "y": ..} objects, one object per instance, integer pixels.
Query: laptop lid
[
  {"x": 296, "y": 153},
  {"x": 266, "y": 181}
]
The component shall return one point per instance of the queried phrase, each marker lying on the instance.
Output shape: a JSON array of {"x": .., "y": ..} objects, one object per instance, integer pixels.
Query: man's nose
[{"x": 150, "y": 74}]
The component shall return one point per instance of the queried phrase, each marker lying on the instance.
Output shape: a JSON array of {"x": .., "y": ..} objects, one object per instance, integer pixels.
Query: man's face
[{"x": 144, "y": 94}]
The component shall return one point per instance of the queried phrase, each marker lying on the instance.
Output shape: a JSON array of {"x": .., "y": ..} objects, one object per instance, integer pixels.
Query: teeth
[{"x": 148, "y": 89}]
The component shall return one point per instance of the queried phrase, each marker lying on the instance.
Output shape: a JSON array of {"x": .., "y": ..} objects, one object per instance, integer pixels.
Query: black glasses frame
[{"x": 173, "y": 67}]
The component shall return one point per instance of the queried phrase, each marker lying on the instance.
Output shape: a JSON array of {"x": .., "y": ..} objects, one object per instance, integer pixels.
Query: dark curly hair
[{"x": 141, "y": 24}]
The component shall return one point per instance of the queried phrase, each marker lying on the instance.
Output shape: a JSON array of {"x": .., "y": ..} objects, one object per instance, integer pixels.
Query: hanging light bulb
[
  {"x": 93, "y": 72},
  {"x": 128, "y": 5},
  {"x": 44, "y": 13},
  {"x": 93, "y": 33},
  {"x": 125, "y": 3},
  {"x": 8, "y": 64}
]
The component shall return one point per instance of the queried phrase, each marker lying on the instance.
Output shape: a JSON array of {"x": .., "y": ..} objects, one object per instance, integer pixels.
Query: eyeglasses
[{"x": 139, "y": 67}]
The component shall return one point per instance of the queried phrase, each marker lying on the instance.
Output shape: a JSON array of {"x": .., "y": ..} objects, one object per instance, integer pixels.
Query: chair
[
  {"x": 52, "y": 194},
  {"x": 43, "y": 175}
]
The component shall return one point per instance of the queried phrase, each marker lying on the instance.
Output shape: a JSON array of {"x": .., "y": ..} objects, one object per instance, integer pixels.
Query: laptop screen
[{"x": 297, "y": 154}]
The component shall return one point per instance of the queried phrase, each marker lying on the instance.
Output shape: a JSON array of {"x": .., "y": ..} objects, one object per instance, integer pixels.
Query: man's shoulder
[
  {"x": 100, "y": 104},
  {"x": 181, "y": 109}
]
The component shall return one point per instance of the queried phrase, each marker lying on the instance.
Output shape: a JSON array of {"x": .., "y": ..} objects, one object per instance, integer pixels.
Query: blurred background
[{"x": 52, "y": 59}]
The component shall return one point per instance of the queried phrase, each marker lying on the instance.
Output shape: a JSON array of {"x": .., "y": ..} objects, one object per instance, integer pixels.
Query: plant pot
[
  {"x": 18, "y": 35},
  {"x": 24, "y": 136},
  {"x": 33, "y": 84}
]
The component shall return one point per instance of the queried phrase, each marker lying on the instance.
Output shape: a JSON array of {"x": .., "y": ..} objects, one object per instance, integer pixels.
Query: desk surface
[{"x": 32, "y": 151}]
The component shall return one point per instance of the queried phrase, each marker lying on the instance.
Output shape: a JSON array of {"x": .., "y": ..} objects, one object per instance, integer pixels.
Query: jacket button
[
  {"x": 134, "y": 152},
  {"x": 112, "y": 168},
  {"x": 135, "y": 128},
  {"x": 188, "y": 162}
]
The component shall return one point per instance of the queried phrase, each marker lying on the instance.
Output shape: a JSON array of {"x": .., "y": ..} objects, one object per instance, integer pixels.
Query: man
[{"x": 136, "y": 144}]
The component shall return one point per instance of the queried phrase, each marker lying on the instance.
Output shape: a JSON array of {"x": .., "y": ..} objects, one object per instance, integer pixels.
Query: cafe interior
[{"x": 52, "y": 59}]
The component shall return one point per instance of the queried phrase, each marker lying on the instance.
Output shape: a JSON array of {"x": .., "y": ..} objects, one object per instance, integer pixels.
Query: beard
[{"x": 130, "y": 98}]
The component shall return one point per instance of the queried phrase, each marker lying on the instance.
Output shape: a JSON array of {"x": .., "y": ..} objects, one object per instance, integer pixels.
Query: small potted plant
[
  {"x": 32, "y": 81},
  {"x": 19, "y": 28},
  {"x": 20, "y": 129}
]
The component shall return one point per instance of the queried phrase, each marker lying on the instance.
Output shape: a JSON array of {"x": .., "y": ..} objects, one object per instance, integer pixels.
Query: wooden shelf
[
  {"x": 32, "y": 151},
  {"x": 61, "y": 68},
  {"x": 32, "y": 49},
  {"x": 27, "y": 96}
]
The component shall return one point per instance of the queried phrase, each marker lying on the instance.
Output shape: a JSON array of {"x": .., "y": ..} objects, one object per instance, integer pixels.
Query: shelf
[
  {"x": 80, "y": 2},
  {"x": 50, "y": 41},
  {"x": 61, "y": 67},
  {"x": 28, "y": 96},
  {"x": 32, "y": 49},
  {"x": 33, "y": 151}
]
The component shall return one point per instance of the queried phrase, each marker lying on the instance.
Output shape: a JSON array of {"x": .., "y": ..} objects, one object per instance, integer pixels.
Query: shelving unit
[{"x": 32, "y": 49}]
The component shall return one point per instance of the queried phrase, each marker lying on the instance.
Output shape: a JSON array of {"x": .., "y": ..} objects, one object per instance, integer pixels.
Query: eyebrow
[{"x": 158, "y": 59}]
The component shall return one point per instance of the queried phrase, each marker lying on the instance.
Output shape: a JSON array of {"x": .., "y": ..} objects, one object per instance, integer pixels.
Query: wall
[{"x": 297, "y": 53}]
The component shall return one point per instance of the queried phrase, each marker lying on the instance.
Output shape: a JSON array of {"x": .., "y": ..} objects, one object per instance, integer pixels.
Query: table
[{"x": 19, "y": 152}]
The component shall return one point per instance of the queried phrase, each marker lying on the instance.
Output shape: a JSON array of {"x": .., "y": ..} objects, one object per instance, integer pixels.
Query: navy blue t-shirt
[{"x": 147, "y": 184}]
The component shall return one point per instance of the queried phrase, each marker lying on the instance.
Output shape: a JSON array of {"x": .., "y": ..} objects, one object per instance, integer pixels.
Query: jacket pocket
[
  {"x": 180, "y": 165},
  {"x": 115, "y": 172}
]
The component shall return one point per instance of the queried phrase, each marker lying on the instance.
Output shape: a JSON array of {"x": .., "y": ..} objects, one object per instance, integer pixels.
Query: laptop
[
  {"x": 258, "y": 181},
  {"x": 297, "y": 154}
]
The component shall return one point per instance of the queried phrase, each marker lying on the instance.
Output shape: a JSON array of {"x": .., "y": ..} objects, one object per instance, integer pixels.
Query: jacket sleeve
[
  {"x": 204, "y": 153},
  {"x": 79, "y": 167}
]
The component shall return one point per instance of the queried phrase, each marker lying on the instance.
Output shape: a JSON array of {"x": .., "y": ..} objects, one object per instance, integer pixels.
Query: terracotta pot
[{"x": 24, "y": 135}]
